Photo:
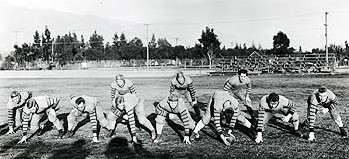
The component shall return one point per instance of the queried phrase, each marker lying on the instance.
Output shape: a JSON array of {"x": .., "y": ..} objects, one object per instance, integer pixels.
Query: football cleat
[{"x": 342, "y": 131}]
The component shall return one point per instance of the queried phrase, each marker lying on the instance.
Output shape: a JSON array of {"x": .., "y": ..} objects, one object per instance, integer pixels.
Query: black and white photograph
[{"x": 110, "y": 79}]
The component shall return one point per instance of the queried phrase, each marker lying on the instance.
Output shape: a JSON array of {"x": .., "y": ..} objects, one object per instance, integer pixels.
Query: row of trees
[{"x": 68, "y": 47}]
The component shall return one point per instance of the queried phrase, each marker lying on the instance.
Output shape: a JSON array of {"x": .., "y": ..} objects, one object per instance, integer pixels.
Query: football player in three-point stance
[
  {"x": 240, "y": 87},
  {"x": 86, "y": 104},
  {"x": 222, "y": 104},
  {"x": 273, "y": 104},
  {"x": 35, "y": 109},
  {"x": 15, "y": 104},
  {"x": 133, "y": 106},
  {"x": 173, "y": 104},
  {"x": 328, "y": 101}
]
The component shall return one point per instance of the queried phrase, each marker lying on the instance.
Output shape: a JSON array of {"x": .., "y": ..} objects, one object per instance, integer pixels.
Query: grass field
[{"x": 278, "y": 142}]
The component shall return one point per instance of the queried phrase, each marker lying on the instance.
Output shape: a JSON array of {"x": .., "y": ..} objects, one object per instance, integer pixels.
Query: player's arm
[
  {"x": 132, "y": 88},
  {"x": 185, "y": 118},
  {"x": 93, "y": 119},
  {"x": 27, "y": 115},
  {"x": 227, "y": 85},
  {"x": 172, "y": 87},
  {"x": 10, "y": 116},
  {"x": 113, "y": 92},
  {"x": 261, "y": 113},
  {"x": 217, "y": 123},
  {"x": 192, "y": 91},
  {"x": 53, "y": 102}
]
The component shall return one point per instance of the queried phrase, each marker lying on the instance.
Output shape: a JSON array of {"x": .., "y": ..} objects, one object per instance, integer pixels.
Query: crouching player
[
  {"x": 328, "y": 101},
  {"x": 133, "y": 106},
  {"x": 273, "y": 104},
  {"x": 173, "y": 104},
  {"x": 182, "y": 85},
  {"x": 15, "y": 104},
  {"x": 86, "y": 104},
  {"x": 35, "y": 110},
  {"x": 240, "y": 87},
  {"x": 222, "y": 104}
]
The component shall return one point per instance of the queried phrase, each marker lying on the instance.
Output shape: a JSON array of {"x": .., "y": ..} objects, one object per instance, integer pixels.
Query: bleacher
[{"x": 295, "y": 63}]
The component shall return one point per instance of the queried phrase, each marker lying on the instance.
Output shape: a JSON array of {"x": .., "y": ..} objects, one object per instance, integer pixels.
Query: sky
[{"x": 234, "y": 21}]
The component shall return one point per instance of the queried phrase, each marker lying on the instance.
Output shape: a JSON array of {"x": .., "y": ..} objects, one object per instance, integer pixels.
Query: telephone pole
[
  {"x": 147, "y": 26},
  {"x": 326, "y": 47},
  {"x": 16, "y": 32},
  {"x": 176, "y": 41}
]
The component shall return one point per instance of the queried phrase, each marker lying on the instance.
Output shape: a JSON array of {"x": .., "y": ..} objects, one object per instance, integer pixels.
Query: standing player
[
  {"x": 86, "y": 104},
  {"x": 328, "y": 101},
  {"x": 133, "y": 106},
  {"x": 273, "y": 104},
  {"x": 173, "y": 104},
  {"x": 222, "y": 104},
  {"x": 182, "y": 85},
  {"x": 240, "y": 87},
  {"x": 35, "y": 109},
  {"x": 15, "y": 104}
]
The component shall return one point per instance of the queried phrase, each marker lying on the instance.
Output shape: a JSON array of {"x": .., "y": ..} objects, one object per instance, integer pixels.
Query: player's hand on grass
[
  {"x": 10, "y": 131},
  {"x": 95, "y": 139},
  {"x": 248, "y": 100},
  {"x": 186, "y": 140},
  {"x": 158, "y": 139},
  {"x": 224, "y": 139},
  {"x": 259, "y": 137},
  {"x": 311, "y": 136},
  {"x": 287, "y": 118},
  {"x": 194, "y": 102},
  {"x": 23, "y": 140},
  {"x": 230, "y": 133},
  {"x": 325, "y": 110},
  {"x": 135, "y": 140}
]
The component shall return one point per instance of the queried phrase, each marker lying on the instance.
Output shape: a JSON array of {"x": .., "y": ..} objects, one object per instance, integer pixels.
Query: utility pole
[
  {"x": 176, "y": 41},
  {"x": 147, "y": 26},
  {"x": 16, "y": 32},
  {"x": 326, "y": 47}
]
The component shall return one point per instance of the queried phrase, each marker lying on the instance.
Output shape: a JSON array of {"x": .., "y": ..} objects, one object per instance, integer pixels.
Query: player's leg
[
  {"x": 72, "y": 120},
  {"x": 241, "y": 95},
  {"x": 52, "y": 117},
  {"x": 160, "y": 121},
  {"x": 336, "y": 117},
  {"x": 100, "y": 116},
  {"x": 140, "y": 113}
]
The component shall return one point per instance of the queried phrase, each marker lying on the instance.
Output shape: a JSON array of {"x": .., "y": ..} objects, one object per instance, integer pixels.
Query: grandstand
[{"x": 295, "y": 63}]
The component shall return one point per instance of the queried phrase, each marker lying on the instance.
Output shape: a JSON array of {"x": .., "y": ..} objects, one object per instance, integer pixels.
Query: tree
[
  {"x": 210, "y": 44},
  {"x": 96, "y": 49},
  {"x": 281, "y": 43},
  {"x": 152, "y": 43},
  {"x": 36, "y": 45}
]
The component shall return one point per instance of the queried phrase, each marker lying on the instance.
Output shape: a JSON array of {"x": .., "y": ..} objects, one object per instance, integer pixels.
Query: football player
[
  {"x": 176, "y": 105},
  {"x": 222, "y": 104},
  {"x": 15, "y": 104},
  {"x": 240, "y": 87},
  {"x": 182, "y": 85},
  {"x": 86, "y": 104},
  {"x": 273, "y": 104},
  {"x": 328, "y": 101},
  {"x": 34, "y": 111},
  {"x": 133, "y": 106}
]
